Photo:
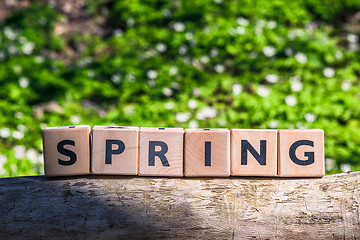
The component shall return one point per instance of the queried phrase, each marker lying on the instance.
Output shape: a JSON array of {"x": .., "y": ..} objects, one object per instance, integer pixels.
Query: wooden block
[
  {"x": 161, "y": 152},
  {"x": 115, "y": 150},
  {"x": 66, "y": 150},
  {"x": 301, "y": 153},
  {"x": 253, "y": 152},
  {"x": 207, "y": 152}
]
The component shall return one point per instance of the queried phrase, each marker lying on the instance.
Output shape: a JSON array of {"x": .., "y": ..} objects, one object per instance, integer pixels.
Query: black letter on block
[
  {"x": 160, "y": 154},
  {"x": 309, "y": 155},
  {"x": 207, "y": 154},
  {"x": 245, "y": 146},
  {"x": 66, "y": 152},
  {"x": 110, "y": 151}
]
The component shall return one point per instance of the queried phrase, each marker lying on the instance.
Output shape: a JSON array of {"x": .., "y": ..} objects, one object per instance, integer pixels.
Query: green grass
[{"x": 232, "y": 64}]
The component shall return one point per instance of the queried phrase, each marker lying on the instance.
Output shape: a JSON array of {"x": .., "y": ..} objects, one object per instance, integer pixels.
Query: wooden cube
[
  {"x": 115, "y": 150},
  {"x": 161, "y": 152},
  {"x": 66, "y": 150},
  {"x": 207, "y": 152},
  {"x": 253, "y": 152},
  {"x": 301, "y": 153}
]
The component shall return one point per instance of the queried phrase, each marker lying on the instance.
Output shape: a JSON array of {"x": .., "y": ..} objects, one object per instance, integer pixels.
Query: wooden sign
[{"x": 176, "y": 152}]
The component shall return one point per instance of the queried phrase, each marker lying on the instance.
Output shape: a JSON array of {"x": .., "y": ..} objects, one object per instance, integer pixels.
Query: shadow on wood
[{"x": 95, "y": 207}]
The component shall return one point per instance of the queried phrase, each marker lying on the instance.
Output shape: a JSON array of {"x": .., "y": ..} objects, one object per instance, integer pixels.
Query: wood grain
[
  {"x": 172, "y": 140},
  {"x": 217, "y": 163},
  {"x": 254, "y": 138},
  {"x": 80, "y": 138},
  {"x": 287, "y": 167},
  {"x": 125, "y": 163},
  {"x": 95, "y": 207}
]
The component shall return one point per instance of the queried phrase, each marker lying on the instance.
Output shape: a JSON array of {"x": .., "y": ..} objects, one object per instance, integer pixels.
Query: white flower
[
  {"x": 152, "y": 74},
  {"x": 189, "y": 36},
  {"x": 204, "y": 59},
  {"x": 3, "y": 159},
  {"x": 338, "y": 54},
  {"x": 130, "y": 22},
  {"x": 271, "y": 78},
  {"x": 345, "y": 167},
  {"x": 17, "y": 69},
  {"x": 271, "y": 24},
  {"x": 310, "y": 117},
  {"x": 240, "y": 30},
  {"x": 118, "y": 32},
  {"x": 32, "y": 155},
  {"x": 192, "y": 104},
  {"x": 269, "y": 51},
  {"x": 167, "y": 92},
  {"x": 151, "y": 83},
  {"x": 28, "y": 48},
  {"x": 218, "y": 1},
  {"x": 116, "y": 78},
  {"x": 179, "y": 26},
  {"x": 175, "y": 85},
  {"x": 193, "y": 124},
  {"x": 12, "y": 50},
  {"x": 173, "y": 71},
  {"x": 4, "y": 132},
  {"x": 290, "y": 100},
  {"x": 301, "y": 57},
  {"x": 39, "y": 59},
  {"x": 273, "y": 124},
  {"x": 288, "y": 52},
  {"x": 17, "y": 134},
  {"x": 129, "y": 110},
  {"x": 183, "y": 50},
  {"x": 237, "y": 89},
  {"x": 352, "y": 38},
  {"x": 161, "y": 47},
  {"x": 345, "y": 86},
  {"x": 130, "y": 77},
  {"x": 21, "y": 128},
  {"x": 353, "y": 46},
  {"x": 182, "y": 117},
  {"x": 75, "y": 119},
  {"x": 90, "y": 73},
  {"x": 296, "y": 84},
  {"x": 219, "y": 68},
  {"x": 330, "y": 164},
  {"x": 43, "y": 126},
  {"x": 329, "y": 72},
  {"x": 169, "y": 105},
  {"x": 20, "y": 151},
  {"x": 206, "y": 113},
  {"x": 263, "y": 91},
  {"x": 10, "y": 33},
  {"x": 196, "y": 92},
  {"x": 253, "y": 55},
  {"x": 242, "y": 21},
  {"x": 214, "y": 52},
  {"x": 13, "y": 168},
  {"x": 18, "y": 115},
  {"x": 296, "y": 33},
  {"x": 167, "y": 13}
]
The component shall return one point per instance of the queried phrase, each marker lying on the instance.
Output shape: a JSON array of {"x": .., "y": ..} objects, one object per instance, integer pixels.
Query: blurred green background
[{"x": 229, "y": 64}]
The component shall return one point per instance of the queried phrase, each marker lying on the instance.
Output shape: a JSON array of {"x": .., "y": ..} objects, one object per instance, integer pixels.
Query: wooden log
[{"x": 97, "y": 207}]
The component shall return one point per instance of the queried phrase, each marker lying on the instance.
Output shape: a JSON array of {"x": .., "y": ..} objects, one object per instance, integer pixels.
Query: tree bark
[{"x": 98, "y": 207}]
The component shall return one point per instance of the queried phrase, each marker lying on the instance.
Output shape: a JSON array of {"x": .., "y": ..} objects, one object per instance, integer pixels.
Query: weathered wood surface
[{"x": 188, "y": 208}]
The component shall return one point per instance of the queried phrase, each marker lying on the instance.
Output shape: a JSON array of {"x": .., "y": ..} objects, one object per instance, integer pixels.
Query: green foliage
[{"x": 233, "y": 64}]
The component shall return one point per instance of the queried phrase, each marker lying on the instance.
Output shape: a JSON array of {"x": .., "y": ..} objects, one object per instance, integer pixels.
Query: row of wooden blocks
[{"x": 114, "y": 150}]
